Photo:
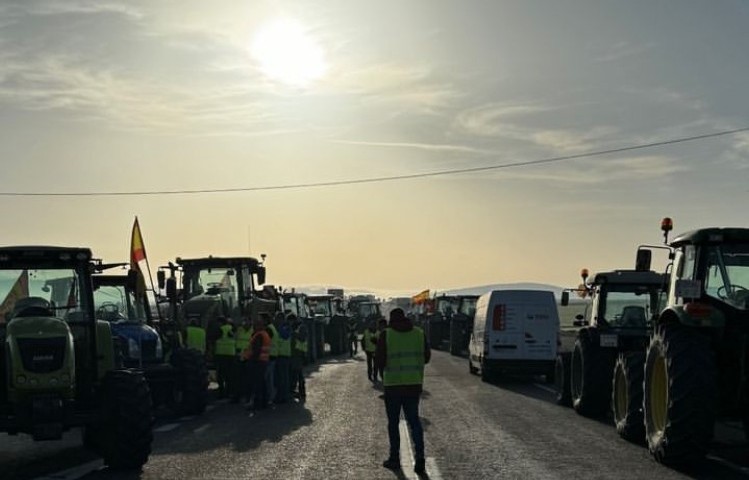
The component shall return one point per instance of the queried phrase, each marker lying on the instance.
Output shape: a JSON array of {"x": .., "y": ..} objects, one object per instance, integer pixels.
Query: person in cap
[{"x": 402, "y": 351}]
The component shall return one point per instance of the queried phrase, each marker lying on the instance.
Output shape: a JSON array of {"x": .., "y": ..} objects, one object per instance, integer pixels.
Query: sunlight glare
[{"x": 288, "y": 54}]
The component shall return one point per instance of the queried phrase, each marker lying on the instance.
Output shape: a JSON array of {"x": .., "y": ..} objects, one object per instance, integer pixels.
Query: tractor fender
[{"x": 710, "y": 318}]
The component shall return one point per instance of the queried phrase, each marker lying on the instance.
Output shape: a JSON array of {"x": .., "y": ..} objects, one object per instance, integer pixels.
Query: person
[
  {"x": 270, "y": 372},
  {"x": 257, "y": 355},
  {"x": 196, "y": 336},
  {"x": 283, "y": 361},
  {"x": 352, "y": 336},
  {"x": 369, "y": 345},
  {"x": 241, "y": 373},
  {"x": 298, "y": 357},
  {"x": 402, "y": 352},
  {"x": 381, "y": 326},
  {"x": 225, "y": 346}
]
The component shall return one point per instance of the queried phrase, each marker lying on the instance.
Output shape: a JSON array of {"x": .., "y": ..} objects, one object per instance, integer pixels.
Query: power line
[{"x": 412, "y": 176}]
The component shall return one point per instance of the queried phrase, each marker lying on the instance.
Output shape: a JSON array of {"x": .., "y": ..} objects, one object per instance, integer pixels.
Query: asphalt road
[{"x": 473, "y": 430}]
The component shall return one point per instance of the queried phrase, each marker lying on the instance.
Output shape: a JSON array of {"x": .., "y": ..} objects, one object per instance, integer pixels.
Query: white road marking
[
  {"x": 166, "y": 428},
  {"x": 545, "y": 388},
  {"x": 75, "y": 472},
  {"x": 731, "y": 465},
  {"x": 202, "y": 429},
  {"x": 407, "y": 456}
]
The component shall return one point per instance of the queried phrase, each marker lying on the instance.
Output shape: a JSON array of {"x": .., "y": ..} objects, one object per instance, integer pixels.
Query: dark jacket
[{"x": 402, "y": 325}]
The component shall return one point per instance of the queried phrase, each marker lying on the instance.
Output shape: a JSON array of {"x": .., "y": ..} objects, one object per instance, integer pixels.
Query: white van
[{"x": 514, "y": 331}]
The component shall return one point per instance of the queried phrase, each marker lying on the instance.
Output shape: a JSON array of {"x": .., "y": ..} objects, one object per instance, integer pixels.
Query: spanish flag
[
  {"x": 19, "y": 290},
  {"x": 137, "y": 250},
  {"x": 137, "y": 254},
  {"x": 421, "y": 297}
]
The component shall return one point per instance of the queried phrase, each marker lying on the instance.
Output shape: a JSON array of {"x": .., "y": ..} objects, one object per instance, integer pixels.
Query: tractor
[
  {"x": 697, "y": 361},
  {"x": 214, "y": 287},
  {"x": 58, "y": 365},
  {"x": 177, "y": 376},
  {"x": 298, "y": 304},
  {"x": 603, "y": 372},
  {"x": 461, "y": 324},
  {"x": 328, "y": 311}
]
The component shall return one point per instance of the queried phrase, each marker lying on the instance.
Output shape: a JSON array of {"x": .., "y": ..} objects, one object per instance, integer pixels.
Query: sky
[{"x": 164, "y": 96}]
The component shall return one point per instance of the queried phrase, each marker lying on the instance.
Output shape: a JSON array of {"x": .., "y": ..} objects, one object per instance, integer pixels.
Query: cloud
[
  {"x": 432, "y": 147},
  {"x": 622, "y": 50},
  {"x": 515, "y": 121}
]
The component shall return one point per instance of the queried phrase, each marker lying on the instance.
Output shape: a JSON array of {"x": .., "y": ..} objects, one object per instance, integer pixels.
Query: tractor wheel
[
  {"x": 562, "y": 379},
  {"x": 124, "y": 436},
  {"x": 680, "y": 394},
  {"x": 191, "y": 391},
  {"x": 590, "y": 375},
  {"x": 626, "y": 396}
]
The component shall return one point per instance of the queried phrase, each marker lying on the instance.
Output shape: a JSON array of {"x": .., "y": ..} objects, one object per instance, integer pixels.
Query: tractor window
[
  {"x": 727, "y": 274},
  {"x": 213, "y": 281},
  {"x": 42, "y": 292},
  {"x": 468, "y": 307},
  {"x": 630, "y": 309},
  {"x": 115, "y": 304},
  {"x": 321, "y": 307}
]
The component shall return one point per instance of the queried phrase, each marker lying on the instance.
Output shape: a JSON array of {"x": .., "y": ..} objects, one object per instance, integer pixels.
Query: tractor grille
[
  {"x": 42, "y": 355},
  {"x": 148, "y": 349}
]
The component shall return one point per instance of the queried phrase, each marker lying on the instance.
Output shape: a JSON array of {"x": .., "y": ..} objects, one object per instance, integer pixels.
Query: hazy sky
[{"x": 107, "y": 96}]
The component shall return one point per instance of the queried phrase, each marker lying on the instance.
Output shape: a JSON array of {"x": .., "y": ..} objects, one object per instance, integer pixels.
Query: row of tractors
[
  {"x": 665, "y": 355},
  {"x": 85, "y": 344}
]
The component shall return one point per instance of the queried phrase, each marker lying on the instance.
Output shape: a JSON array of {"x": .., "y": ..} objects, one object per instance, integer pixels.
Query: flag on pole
[
  {"x": 19, "y": 290},
  {"x": 137, "y": 255},
  {"x": 420, "y": 297}
]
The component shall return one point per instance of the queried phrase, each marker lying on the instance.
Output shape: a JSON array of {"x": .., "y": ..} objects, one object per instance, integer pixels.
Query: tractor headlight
[
  {"x": 21, "y": 379},
  {"x": 133, "y": 349}
]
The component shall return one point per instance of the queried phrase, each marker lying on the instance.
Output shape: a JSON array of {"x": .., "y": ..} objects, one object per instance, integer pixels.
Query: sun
[{"x": 286, "y": 53}]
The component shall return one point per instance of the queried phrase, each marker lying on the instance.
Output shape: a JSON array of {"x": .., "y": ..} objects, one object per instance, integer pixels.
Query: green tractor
[
  {"x": 58, "y": 362},
  {"x": 697, "y": 364},
  {"x": 602, "y": 373},
  {"x": 177, "y": 376}
]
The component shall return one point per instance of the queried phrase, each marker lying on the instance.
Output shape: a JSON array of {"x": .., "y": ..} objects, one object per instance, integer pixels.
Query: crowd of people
[{"x": 258, "y": 362}]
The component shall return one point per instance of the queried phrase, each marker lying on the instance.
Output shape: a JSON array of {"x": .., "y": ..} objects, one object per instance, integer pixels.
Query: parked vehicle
[
  {"x": 514, "y": 332},
  {"x": 696, "y": 364}
]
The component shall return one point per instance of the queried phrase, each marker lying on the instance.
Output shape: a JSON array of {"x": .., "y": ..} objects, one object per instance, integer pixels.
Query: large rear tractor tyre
[
  {"x": 562, "y": 379},
  {"x": 191, "y": 388},
  {"x": 590, "y": 375},
  {"x": 680, "y": 394},
  {"x": 124, "y": 436},
  {"x": 626, "y": 396}
]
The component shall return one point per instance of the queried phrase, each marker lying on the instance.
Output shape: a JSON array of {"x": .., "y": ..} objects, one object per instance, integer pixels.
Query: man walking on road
[
  {"x": 369, "y": 344},
  {"x": 402, "y": 352}
]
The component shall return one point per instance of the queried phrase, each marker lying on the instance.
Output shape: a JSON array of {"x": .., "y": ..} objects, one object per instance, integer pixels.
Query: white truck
[{"x": 514, "y": 332}]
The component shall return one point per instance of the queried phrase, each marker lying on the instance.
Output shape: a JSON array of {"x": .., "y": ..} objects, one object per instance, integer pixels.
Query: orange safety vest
[{"x": 265, "y": 349}]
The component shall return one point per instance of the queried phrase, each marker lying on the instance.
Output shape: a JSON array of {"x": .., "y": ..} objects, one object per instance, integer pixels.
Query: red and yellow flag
[
  {"x": 420, "y": 297},
  {"x": 137, "y": 250},
  {"x": 19, "y": 290}
]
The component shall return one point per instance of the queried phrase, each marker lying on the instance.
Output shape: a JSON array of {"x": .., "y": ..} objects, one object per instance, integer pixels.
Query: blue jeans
[{"x": 410, "y": 405}]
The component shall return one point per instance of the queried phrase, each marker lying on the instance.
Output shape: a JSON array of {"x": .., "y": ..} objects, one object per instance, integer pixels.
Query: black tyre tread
[
  {"x": 692, "y": 408},
  {"x": 124, "y": 439},
  {"x": 631, "y": 426},
  {"x": 192, "y": 381},
  {"x": 594, "y": 397},
  {"x": 562, "y": 379}
]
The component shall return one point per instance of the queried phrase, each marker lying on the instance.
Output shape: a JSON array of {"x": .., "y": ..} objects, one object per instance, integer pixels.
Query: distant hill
[{"x": 477, "y": 290}]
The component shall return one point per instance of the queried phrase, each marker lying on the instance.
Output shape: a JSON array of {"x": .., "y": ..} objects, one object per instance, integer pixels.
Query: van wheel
[
  {"x": 486, "y": 376},
  {"x": 562, "y": 379},
  {"x": 590, "y": 374}
]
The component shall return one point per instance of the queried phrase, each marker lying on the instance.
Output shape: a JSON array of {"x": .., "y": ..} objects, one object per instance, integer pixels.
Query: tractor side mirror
[
  {"x": 579, "y": 320},
  {"x": 171, "y": 288},
  {"x": 565, "y": 298},
  {"x": 261, "y": 275},
  {"x": 643, "y": 261},
  {"x": 161, "y": 279}
]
